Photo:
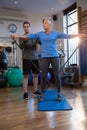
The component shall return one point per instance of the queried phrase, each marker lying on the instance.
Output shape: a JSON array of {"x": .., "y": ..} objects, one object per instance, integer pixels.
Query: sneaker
[
  {"x": 59, "y": 97},
  {"x": 25, "y": 96},
  {"x": 37, "y": 92}
]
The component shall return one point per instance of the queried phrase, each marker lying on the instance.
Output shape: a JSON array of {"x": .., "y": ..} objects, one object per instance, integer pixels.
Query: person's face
[
  {"x": 26, "y": 28},
  {"x": 46, "y": 24}
]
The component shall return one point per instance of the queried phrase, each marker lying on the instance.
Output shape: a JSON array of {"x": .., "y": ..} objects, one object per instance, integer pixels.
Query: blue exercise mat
[{"x": 51, "y": 103}]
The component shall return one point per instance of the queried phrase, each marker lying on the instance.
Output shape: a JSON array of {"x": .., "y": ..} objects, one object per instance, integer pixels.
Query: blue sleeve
[
  {"x": 64, "y": 36},
  {"x": 35, "y": 35}
]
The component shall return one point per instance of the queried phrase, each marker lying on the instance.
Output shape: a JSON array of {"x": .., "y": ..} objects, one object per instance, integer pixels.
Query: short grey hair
[{"x": 48, "y": 19}]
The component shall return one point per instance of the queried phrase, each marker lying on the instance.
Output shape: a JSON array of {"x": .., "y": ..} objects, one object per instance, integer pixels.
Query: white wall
[
  {"x": 34, "y": 19},
  {"x": 59, "y": 27},
  {"x": 83, "y": 4}
]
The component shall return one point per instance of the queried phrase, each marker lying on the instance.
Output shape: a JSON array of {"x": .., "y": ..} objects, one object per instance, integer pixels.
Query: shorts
[{"x": 29, "y": 65}]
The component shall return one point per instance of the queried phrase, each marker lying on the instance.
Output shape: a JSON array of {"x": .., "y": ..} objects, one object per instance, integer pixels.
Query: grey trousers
[{"x": 55, "y": 61}]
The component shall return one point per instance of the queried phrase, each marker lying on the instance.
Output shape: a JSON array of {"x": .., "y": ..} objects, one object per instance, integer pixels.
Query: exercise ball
[
  {"x": 3, "y": 81},
  {"x": 15, "y": 77},
  {"x": 30, "y": 78},
  {"x": 48, "y": 76},
  {"x": 39, "y": 77},
  {"x": 8, "y": 72}
]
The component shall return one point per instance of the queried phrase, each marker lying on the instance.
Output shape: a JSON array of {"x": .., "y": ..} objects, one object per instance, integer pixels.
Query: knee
[
  {"x": 35, "y": 75},
  {"x": 26, "y": 76}
]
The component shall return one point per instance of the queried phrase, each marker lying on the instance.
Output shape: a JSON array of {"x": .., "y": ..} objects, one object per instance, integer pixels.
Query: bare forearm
[
  {"x": 18, "y": 36},
  {"x": 74, "y": 35},
  {"x": 22, "y": 36},
  {"x": 79, "y": 35}
]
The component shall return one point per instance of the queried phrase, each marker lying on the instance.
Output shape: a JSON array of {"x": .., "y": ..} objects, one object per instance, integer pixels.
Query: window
[{"x": 71, "y": 45}]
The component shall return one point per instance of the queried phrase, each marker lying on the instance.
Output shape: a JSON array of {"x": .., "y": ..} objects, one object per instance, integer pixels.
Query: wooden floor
[{"x": 17, "y": 114}]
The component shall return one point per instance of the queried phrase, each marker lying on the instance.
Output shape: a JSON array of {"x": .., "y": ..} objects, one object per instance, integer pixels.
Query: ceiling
[{"x": 37, "y": 6}]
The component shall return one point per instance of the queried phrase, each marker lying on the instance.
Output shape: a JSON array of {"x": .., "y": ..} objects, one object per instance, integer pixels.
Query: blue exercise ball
[
  {"x": 39, "y": 76},
  {"x": 48, "y": 76},
  {"x": 15, "y": 77},
  {"x": 30, "y": 78}
]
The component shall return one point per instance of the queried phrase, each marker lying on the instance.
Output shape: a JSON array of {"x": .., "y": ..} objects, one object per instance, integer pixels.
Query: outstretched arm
[
  {"x": 27, "y": 36},
  {"x": 18, "y": 36},
  {"x": 79, "y": 35},
  {"x": 65, "y": 36}
]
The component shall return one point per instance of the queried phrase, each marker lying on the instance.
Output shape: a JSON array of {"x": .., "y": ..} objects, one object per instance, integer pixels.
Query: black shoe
[
  {"x": 37, "y": 92},
  {"x": 59, "y": 97},
  {"x": 25, "y": 96}
]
